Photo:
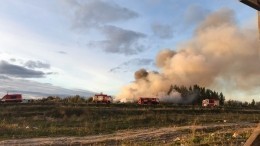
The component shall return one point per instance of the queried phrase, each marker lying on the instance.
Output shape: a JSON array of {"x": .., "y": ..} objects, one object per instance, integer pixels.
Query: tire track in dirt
[{"x": 119, "y": 136}]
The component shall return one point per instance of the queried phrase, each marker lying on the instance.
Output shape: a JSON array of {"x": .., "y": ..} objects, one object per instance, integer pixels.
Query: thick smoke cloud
[
  {"x": 224, "y": 17},
  {"x": 164, "y": 57},
  {"x": 140, "y": 74},
  {"x": 195, "y": 14},
  {"x": 221, "y": 54}
]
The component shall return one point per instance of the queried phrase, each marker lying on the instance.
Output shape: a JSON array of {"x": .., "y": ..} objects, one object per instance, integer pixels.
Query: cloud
[
  {"x": 138, "y": 62},
  {"x": 116, "y": 69},
  {"x": 133, "y": 63},
  {"x": 101, "y": 15},
  {"x": 95, "y": 13},
  {"x": 4, "y": 77},
  {"x": 32, "y": 89},
  {"x": 36, "y": 64},
  {"x": 71, "y": 3},
  {"x": 19, "y": 71},
  {"x": 195, "y": 14},
  {"x": 121, "y": 41},
  {"x": 62, "y": 52},
  {"x": 13, "y": 60},
  {"x": 162, "y": 31}
]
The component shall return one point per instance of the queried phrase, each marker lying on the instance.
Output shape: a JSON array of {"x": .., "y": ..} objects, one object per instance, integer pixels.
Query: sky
[{"x": 68, "y": 47}]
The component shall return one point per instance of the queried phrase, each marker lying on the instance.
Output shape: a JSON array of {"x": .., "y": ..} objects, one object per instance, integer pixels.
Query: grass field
[{"x": 19, "y": 121}]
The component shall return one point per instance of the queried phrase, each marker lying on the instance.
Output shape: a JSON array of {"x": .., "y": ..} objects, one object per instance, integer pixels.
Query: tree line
[
  {"x": 70, "y": 99},
  {"x": 235, "y": 103},
  {"x": 195, "y": 94}
]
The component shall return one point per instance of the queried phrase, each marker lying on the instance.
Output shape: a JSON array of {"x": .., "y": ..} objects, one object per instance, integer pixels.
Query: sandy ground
[{"x": 164, "y": 135}]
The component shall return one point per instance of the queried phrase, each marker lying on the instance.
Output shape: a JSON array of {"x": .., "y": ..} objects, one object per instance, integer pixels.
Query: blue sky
[{"x": 95, "y": 45}]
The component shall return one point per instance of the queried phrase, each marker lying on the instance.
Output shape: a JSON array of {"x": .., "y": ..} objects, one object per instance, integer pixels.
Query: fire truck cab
[
  {"x": 210, "y": 102},
  {"x": 12, "y": 98},
  {"x": 148, "y": 100},
  {"x": 102, "y": 98}
]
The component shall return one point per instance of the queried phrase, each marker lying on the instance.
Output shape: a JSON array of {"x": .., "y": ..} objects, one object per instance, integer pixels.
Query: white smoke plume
[
  {"x": 221, "y": 54},
  {"x": 173, "y": 97}
]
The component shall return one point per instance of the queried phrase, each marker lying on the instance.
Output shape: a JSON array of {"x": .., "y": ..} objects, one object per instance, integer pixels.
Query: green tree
[
  {"x": 221, "y": 99},
  {"x": 253, "y": 103},
  {"x": 245, "y": 104},
  {"x": 90, "y": 99}
]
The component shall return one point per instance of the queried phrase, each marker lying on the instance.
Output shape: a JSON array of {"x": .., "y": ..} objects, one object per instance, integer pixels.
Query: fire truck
[
  {"x": 12, "y": 98},
  {"x": 148, "y": 100},
  {"x": 210, "y": 102},
  {"x": 102, "y": 98}
]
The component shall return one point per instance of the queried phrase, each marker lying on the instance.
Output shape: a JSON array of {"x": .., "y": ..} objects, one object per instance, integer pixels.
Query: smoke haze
[{"x": 221, "y": 55}]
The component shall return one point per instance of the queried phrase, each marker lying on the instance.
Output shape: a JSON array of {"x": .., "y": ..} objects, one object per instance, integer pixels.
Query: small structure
[
  {"x": 148, "y": 100},
  {"x": 252, "y": 3},
  {"x": 102, "y": 98},
  {"x": 256, "y": 5},
  {"x": 210, "y": 102},
  {"x": 12, "y": 98}
]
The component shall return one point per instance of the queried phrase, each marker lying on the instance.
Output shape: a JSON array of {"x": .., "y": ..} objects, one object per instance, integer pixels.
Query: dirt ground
[{"x": 151, "y": 136}]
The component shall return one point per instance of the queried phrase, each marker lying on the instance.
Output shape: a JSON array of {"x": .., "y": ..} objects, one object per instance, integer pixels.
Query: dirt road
[{"x": 163, "y": 135}]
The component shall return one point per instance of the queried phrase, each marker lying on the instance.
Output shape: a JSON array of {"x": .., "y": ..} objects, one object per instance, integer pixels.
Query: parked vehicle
[
  {"x": 12, "y": 98},
  {"x": 148, "y": 100},
  {"x": 102, "y": 98},
  {"x": 210, "y": 102}
]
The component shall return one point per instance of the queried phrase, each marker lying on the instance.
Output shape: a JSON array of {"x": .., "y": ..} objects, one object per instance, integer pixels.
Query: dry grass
[{"x": 30, "y": 120}]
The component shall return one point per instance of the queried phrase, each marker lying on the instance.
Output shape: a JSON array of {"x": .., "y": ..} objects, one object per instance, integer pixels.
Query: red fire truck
[
  {"x": 148, "y": 100},
  {"x": 12, "y": 98},
  {"x": 102, "y": 98},
  {"x": 210, "y": 102}
]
